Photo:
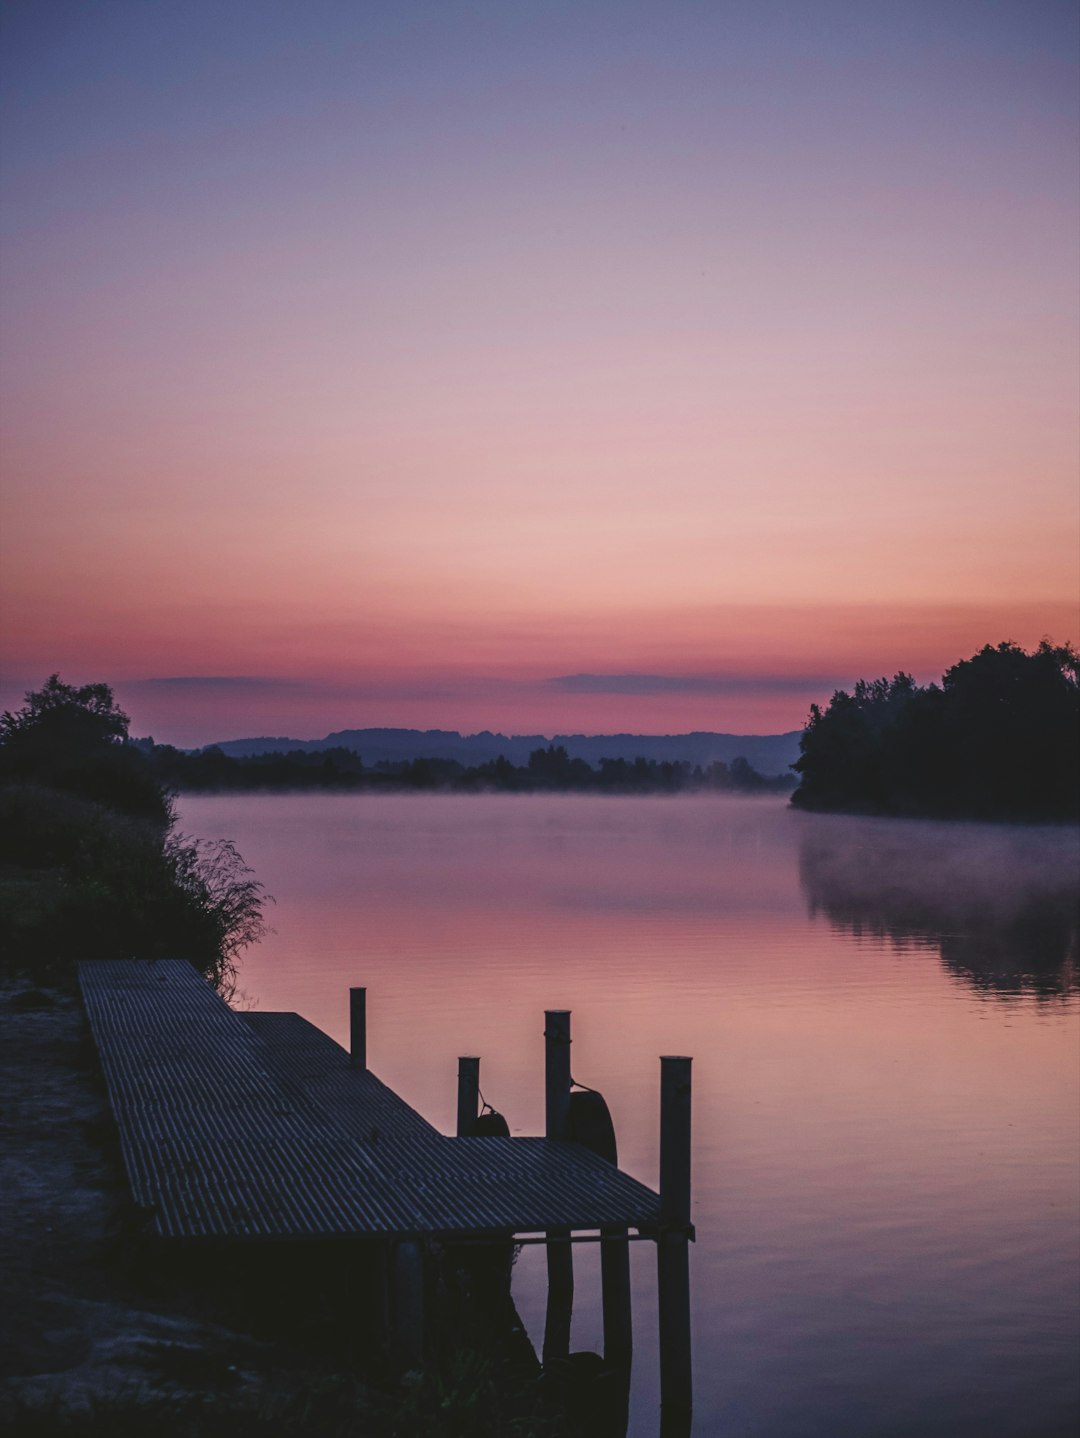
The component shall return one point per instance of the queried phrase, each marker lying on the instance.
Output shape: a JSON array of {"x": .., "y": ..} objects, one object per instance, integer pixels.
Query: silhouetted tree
[
  {"x": 75, "y": 738},
  {"x": 997, "y": 739},
  {"x": 87, "y": 833},
  {"x": 1011, "y": 730},
  {"x": 554, "y": 768},
  {"x": 743, "y": 775}
]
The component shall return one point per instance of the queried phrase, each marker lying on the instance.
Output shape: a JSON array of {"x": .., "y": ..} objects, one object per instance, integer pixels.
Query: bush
[{"x": 92, "y": 865}]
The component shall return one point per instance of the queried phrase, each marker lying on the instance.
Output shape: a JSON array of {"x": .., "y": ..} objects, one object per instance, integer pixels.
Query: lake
[{"x": 884, "y": 1020}]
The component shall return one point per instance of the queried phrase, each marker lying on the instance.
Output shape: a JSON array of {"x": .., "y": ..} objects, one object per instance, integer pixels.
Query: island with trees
[{"x": 996, "y": 739}]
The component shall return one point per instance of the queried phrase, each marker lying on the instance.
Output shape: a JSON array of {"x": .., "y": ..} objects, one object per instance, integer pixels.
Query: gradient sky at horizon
[{"x": 537, "y": 367}]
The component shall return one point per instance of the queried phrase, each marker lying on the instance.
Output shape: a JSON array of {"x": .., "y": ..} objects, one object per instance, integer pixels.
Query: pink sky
[{"x": 399, "y": 366}]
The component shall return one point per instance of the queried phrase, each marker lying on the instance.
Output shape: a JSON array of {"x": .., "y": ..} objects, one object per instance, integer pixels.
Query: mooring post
[
  {"x": 358, "y": 1028},
  {"x": 675, "y": 1141},
  {"x": 468, "y": 1095},
  {"x": 672, "y": 1247},
  {"x": 409, "y": 1303},
  {"x": 560, "y": 1254},
  {"x": 556, "y": 1071}
]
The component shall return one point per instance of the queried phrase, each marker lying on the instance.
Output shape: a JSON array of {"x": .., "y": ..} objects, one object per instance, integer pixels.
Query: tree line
[
  {"x": 548, "y": 769},
  {"x": 996, "y": 739}
]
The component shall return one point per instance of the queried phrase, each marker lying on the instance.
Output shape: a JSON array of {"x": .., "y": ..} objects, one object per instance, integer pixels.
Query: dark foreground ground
[{"x": 100, "y": 1333}]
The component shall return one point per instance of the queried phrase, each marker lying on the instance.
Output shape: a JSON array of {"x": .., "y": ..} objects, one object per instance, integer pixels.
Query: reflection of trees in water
[{"x": 999, "y": 903}]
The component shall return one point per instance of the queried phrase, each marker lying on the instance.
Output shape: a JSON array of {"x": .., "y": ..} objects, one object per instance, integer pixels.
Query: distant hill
[{"x": 768, "y": 753}]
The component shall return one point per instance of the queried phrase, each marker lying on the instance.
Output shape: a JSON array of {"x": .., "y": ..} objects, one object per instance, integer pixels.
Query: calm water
[{"x": 884, "y": 1021}]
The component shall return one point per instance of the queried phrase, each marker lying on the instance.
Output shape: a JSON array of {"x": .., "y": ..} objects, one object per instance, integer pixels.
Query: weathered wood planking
[{"x": 255, "y": 1126}]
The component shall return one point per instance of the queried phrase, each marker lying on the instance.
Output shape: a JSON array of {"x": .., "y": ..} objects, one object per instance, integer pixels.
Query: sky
[{"x": 543, "y": 367}]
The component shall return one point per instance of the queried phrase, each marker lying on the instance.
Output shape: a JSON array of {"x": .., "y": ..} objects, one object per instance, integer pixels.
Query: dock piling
[
  {"x": 560, "y": 1255},
  {"x": 672, "y": 1247},
  {"x": 556, "y": 1072},
  {"x": 615, "y": 1294},
  {"x": 358, "y": 1028},
  {"x": 675, "y": 1141},
  {"x": 468, "y": 1095}
]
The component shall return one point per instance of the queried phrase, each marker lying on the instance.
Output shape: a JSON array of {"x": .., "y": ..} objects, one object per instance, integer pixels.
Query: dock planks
[{"x": 255, "y": 1126}]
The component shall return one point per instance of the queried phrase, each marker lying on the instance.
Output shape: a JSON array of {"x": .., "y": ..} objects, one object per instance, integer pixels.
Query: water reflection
[
  {"x": 885, "y": 1161},
  {"x": 999, "y": 903}
]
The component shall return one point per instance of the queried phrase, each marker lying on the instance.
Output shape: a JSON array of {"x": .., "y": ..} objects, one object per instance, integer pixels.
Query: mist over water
[
  {"x": 998, "y": 902},
  {"x": 884, "y": 1019}
]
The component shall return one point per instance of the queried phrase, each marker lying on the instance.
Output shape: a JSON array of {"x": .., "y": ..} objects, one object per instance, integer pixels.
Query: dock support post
[
  {"x": 615, "y": 1292},
  {"x": 409, "y": 1303},
  {"x": 468, "y": 1095},
  {"x": 358, "y": 1028},
  {"x": 560, "y": 1297},
  {"x": 672, "y": 1248},
  {"x": 560, "y": 1255}
]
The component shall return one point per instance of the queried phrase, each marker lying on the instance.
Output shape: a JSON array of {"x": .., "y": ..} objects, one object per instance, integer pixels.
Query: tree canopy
[
  {"x": 91, "y": 864},
  {"x": 997, "y": 739},
  {"x": 85, "y": 712},
  {"x": 75, "y": 738}
]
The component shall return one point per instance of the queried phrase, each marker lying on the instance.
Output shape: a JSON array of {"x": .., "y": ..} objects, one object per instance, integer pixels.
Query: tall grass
[{"x": 79, "y": 879}]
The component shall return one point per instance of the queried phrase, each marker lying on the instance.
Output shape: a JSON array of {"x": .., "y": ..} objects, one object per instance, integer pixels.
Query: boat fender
[
  {"x": 490, "y": 1124},
  {"x": 589, "y": 1123}
]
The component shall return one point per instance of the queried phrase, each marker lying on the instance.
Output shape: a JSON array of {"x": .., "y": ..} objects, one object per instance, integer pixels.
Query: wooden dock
[{"x": 259, "y": 1127}]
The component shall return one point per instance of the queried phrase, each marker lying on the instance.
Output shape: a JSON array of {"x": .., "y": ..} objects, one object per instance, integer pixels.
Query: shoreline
[{"x": 80, "y": 1324}]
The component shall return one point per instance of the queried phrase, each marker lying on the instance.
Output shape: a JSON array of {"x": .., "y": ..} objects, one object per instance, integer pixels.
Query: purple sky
[{"x": 374, "y": 364}]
